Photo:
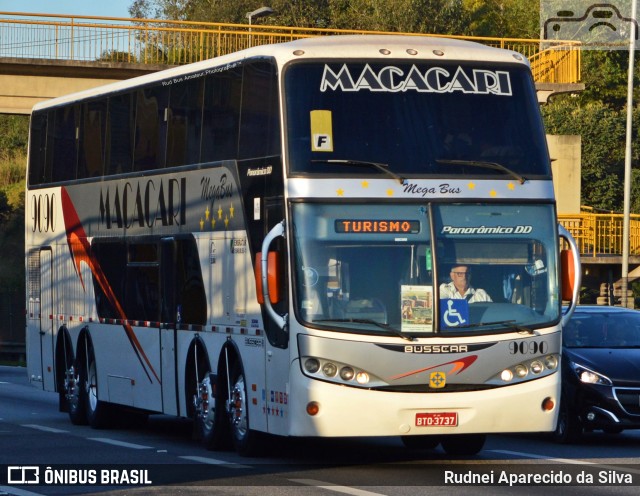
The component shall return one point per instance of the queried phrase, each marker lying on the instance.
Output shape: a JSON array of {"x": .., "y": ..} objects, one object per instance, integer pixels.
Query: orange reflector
[
  {"x": 548, "y": 404},
  {"x": 313, "y": 408}
]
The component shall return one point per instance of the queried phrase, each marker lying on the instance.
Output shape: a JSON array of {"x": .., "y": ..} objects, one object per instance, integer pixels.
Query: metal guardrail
[
  {"x": 150, "y": 41},
  {"x": 600, "y": 234}
]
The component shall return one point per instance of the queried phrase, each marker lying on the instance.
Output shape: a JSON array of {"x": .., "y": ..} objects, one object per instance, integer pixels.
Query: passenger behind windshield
[{"x": 460, "y": 286}]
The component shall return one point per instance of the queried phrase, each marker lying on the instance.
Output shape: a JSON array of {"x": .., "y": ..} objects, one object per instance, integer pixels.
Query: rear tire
[
  {"x": 97, "y": 410},
  {"x": 211, "y": 423},
  {"x": 246, "y": 441},
  {"x": 76, "y": 394},
  {"x": 463, "y": 444}
]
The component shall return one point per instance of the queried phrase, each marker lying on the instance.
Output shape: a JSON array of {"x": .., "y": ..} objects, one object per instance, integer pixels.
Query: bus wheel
[
  {"x": 97, "y": 414},
  {"x": 211, "y": 423},
  {"x": 75, "y": 377},
  {"x": 463, "y": 444},
  {"x": 246, "y": 441},
  {"x": 420, "y": 442}
]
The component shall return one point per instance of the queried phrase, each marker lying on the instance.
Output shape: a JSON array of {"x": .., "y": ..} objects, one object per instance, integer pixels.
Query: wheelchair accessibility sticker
[
  {"x": 454, "y": 312},
  {"x": 607, "y": 25}
]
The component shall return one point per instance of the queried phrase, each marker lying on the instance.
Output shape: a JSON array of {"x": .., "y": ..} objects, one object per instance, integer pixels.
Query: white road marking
[
  {"x": 17, "y": 492},
  {"x": 567, "y": 461},
  {"x": 115, "y": 442},
  {"x": 44, "y": 428},
  {"x": 213, "y": 461},
  {"x": 334, "y": 487}
]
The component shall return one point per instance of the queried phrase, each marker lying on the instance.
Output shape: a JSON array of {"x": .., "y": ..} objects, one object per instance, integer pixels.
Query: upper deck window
[{"x": 418, "y": 118}]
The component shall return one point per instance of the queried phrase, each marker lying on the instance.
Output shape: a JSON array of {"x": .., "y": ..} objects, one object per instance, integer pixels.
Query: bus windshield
[
  {"x": 375, "y": 268},
  {"x": 413, "y": 119}
]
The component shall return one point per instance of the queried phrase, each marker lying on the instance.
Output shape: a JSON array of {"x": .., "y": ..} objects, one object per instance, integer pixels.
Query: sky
[{"x": 102, "y": 8}]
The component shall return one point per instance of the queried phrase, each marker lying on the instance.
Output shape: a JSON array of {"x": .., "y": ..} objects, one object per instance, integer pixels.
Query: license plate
[{"x": 442, "y": 419}]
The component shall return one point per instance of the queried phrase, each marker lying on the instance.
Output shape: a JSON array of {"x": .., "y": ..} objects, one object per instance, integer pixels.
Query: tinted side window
[
  {"x": 120, "y": 134},
  {"x": 92, "y": 139},
  {"x": 185, "y": 123},
  {"x": 37, "y": 148},
  {"x": 66, "y": 122},
  {"x": 221, "y": 115},
  {"x": 151, "y": 128},
  {"x": 259, "y": 123}
]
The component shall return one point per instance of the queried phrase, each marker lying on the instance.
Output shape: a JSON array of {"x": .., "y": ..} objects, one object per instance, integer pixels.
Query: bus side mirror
[
  {"x": 273, "y": 277},
  {"x": 567, "y": 264}
]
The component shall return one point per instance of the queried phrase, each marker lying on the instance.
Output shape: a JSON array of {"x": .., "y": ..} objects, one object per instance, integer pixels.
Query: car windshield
[{"x": 603, "y": 330}]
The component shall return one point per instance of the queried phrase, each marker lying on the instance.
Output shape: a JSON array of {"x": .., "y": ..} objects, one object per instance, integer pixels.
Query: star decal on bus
[
  {"x": 493, "y": 193},
  {"x": 219, "y": 212},
  {"x": 471, "y": 185},
  {"x": 511, "y": 186},
  {"x": 340, "y": 192},
  {"x": 207, "y": 212},
  {"x": 365, "y": 184},
  {"x": 231, "y": 210}
]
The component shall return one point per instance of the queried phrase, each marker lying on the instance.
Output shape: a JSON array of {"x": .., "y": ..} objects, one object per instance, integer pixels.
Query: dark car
[{"x": 600, "y": 372}]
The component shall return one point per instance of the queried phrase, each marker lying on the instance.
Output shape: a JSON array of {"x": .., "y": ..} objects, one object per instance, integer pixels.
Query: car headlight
[{"x": 588, "y": 376}]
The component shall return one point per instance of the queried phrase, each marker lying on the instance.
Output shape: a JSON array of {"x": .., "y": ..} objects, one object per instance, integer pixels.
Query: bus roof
[{"x": 321, "y": 47}]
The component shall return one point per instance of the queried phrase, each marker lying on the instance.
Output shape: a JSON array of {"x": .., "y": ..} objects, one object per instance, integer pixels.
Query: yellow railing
[
  {"x": 83, "y": 38},
  {"x": 601, "y": 234}
]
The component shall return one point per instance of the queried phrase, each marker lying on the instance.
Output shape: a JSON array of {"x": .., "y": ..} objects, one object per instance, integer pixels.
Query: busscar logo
[
  {"x": 23, "y": 475},
  {"x": 596, "y": 25}
]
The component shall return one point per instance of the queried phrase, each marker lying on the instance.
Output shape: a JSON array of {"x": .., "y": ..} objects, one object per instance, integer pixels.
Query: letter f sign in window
[{"x": 321, "y": 131}]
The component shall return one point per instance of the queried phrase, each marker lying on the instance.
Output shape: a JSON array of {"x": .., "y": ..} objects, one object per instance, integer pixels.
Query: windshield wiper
[
  {"x": 386, "y": 327},
  {"x": 506, "y": 323},
  {"x": 363, "y": 163},
  {"x": 486, "y": 165}
]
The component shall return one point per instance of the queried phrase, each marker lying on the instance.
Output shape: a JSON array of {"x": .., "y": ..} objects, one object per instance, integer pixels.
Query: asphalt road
[{"x": 160, "y": 457}]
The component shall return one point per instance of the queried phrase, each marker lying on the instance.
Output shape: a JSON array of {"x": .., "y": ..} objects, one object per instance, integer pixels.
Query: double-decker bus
[{"x": 261, "y": 242}]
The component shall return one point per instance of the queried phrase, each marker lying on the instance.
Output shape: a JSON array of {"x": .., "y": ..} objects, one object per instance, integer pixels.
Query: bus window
[
  {"x": 66, "y": 122},
  {"x": 120, "y": 134},
  {"x": 150, "y": 129},
  {"x": 184, "y": 126},
  {"x": 37, "y": 148},
  {"x": 221, "y": 115},
  {"x": 91, "y": 153},
  {"x": 259, "y": 130}
]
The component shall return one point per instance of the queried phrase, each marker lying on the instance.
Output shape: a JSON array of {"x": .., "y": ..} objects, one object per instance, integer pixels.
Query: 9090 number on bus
[{"x": 443, "y": 419}]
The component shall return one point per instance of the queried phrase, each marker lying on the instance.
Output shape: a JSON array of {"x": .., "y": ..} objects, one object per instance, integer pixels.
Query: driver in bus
[{"x": 460, "y": 286}]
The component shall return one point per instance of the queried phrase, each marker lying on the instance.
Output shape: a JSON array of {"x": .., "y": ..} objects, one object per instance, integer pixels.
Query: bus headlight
[
  {"x": 527, "y": 370},
  {"x": 340, "y": 373}
]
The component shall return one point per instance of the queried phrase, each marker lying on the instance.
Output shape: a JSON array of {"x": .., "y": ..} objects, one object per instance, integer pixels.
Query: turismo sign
[
  {"x": 432, "y": 80},
  {"x": 377, "y": 226}
]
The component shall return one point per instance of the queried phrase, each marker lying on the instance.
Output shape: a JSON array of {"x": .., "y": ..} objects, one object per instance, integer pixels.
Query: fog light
[
  {"x": 311, "y": 365},
  {"x": 551, "y": 362},
  {"x": 329, "y": 369},
  {"x": 591, "y": 416},
  {"x": 313, "y": 408},
  {"x": 521, "y": 371},
  {"x": 506, "y": 375},
  {"x": 347, "y": 373},
  {"x": 537, "y": 367},
  {"x": 362, "y": 377}
]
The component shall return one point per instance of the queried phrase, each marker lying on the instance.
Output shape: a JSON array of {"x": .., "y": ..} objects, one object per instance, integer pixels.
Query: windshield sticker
[
  {"x": 433, "y": 80},
  {"x": 454, "y": 313},
  {"x": 417, "y": 308},
  {"x": 453, "y": 230},
  {"x": 321, "y": 131}
]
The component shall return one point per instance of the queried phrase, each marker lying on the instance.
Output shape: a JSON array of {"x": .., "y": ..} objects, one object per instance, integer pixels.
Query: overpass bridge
[{"x": 43, "y": 56}]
